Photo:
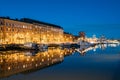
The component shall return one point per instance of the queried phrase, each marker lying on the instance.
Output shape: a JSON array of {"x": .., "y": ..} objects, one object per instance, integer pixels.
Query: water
[{"x": 99, "y": 63}]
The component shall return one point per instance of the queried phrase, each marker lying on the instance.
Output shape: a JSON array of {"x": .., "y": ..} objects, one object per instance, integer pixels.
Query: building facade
[
  {"x": 28, "y": 30},
  {"x": 82, "y": 34},
  {"x": 68, "y": 38}
]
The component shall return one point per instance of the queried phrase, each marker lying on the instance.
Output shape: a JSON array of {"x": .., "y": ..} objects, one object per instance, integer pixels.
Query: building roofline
[
  {"x": 32, "y": 21},
  {"x": 28, "y": 20},
  {"x": 68, "y": 33}
]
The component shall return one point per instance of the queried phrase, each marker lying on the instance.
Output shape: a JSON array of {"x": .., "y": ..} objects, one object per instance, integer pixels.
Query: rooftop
[{"x": 32, "y": 21}]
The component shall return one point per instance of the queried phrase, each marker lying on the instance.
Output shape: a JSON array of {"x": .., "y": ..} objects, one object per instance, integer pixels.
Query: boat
[
  {"x": 42, "y": 47},
  {"x": 30, "y": 45}
]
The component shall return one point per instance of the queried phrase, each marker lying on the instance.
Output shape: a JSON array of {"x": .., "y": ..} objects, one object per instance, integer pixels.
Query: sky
[{"x": 99, "y": 17}]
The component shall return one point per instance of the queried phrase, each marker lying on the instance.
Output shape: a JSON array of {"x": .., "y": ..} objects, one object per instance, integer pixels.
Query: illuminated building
[
  {"x": 82, "y": 35},
  {"x": 27, "y": 30},
  {"x": 68, "y": 38},
  {"x": 75, "y": 38}
]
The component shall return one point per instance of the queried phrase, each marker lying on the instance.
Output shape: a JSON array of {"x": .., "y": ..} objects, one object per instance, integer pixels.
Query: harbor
[
  {"x": 20, "y": 64},
  {"x": 59, "y": 40},
  {"x": 31, "y": 47}
]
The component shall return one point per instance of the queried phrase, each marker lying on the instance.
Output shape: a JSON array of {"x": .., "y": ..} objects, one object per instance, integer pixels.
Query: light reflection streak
[
  {"x": 83, "y": 49},
  {"x": 13, "y": 62}
]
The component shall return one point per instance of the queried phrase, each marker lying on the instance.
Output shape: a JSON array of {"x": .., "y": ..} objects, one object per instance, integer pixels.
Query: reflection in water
[
  {"x": 31, "y": 53},
  {"x": 104, "y": 46},
  {"x": 13, "y": 62},
  {"x": 82, "y": 50}
]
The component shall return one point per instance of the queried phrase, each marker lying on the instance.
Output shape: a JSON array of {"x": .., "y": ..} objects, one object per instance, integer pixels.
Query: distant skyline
[{"x": 92, "y": 16}]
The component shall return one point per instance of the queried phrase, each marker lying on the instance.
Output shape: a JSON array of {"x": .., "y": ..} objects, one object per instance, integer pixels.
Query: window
[
  {"x": 12, "y": 29},
  {"x": 1, "y": 28},
  {"x": 6, "y": 24},
  {"x": 1, "y": 23},
  {"x": 6, "y": 29},
  {"x": 23, "y": 26},
  {"x": 12, "y": 25},
  {"x": 9, "y": 24}
]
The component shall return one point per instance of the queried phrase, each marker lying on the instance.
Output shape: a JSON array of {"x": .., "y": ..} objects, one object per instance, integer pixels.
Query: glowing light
[
  {"x": 42, "y": 60},
  {"x": 23, "y": 66},
  {"x": 36, "y": 65},
  {"x": 9, "y": 68},
  {"x": 27, "y": 59},
  {"x": 32, "y": 59}
]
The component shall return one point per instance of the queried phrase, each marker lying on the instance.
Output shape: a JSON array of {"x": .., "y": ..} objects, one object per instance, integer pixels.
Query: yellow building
[
  {"x": 28, "y": 30},
  {"x": 68, "y": 38}
]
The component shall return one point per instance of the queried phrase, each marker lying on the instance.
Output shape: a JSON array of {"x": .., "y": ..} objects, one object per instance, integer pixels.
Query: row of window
[
  {"x": 1, "y": 23},
  {"x": 37, "y": 27},
  {"x": 17, "y": 25},
  {"x": 22, "y": 30}
]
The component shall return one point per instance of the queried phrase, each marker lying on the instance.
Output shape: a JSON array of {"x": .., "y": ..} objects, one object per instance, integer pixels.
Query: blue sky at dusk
[{"x": 92, "y": 16}]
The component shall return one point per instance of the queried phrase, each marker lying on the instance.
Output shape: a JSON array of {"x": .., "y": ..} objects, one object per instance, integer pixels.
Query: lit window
[{"x": 23, "y": 26}]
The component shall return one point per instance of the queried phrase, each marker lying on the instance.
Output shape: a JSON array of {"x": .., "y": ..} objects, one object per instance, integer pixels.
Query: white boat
[
  {"x": 84, "y": 44},
  {"x": 30, "y": 45},
  {"x": 43, "y": 47}
]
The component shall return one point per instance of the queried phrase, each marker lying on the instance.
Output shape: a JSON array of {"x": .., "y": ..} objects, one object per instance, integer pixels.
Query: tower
[{"x": 82, "y": 34}]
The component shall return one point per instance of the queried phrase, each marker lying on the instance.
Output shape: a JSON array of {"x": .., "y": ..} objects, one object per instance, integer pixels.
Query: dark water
[{"x": 100, "y": 63}]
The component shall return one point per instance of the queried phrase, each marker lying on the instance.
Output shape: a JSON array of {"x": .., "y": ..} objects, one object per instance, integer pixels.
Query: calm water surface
[{"x": 100, "y": 63}]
